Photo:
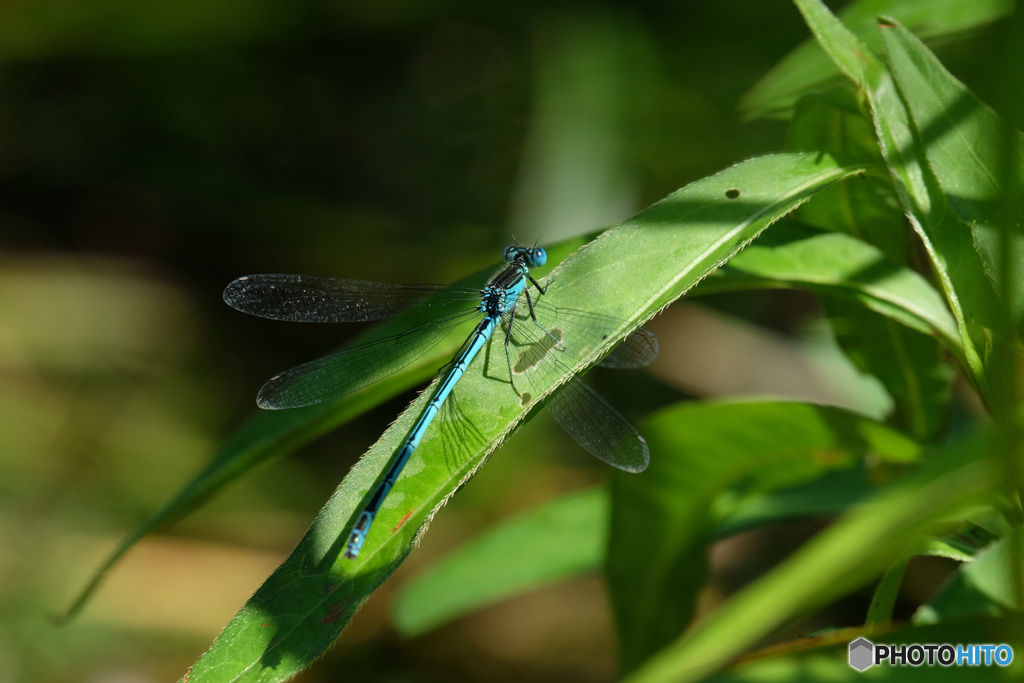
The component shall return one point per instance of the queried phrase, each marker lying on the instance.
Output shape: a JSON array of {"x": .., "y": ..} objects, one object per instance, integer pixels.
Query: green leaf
[
  {"x": 846, "y": 49},
  {"x": 947, "y": 241},
  {"x": 842, "y": 266},
  {"x": 744, "y": 448},
  {"x": 982, "y": 587},
  {"x": 910, "y": 365},
  {"x": 807, "y": 69},
  {"x": 826, "y": 496},
  {"x": 269, "y": 434},
  {"x": 884, "y": 599},
  {"x": 905, "y": 357},
  {"x": 848, "y": 554},
  {"x": 968, "y": 148},
  {"x": 833, "y": 121},
  {"x": 838, "y": 123},
  {"x": 567, "y": 537},
  {"x": 265, "y": 435},
  {"x": 628, "y": 273},
  {"x": 560, "y": 539}
]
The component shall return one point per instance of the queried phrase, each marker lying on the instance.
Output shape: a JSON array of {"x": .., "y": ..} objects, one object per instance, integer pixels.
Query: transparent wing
[
  {"x": 638, "y": 350},
  {"x": 539, "y": 354},
  {"x": 589, "y": 419},
  {"x": 304, "y": 298},
  {"x": 333, "y": 376}
]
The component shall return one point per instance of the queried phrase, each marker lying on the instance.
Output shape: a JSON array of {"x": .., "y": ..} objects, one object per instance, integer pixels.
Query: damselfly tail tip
[{"x": 354, "y": 545}]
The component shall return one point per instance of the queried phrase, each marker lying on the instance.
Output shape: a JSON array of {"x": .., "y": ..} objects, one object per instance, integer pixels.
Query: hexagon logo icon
[{"x": 862, "y": 653}]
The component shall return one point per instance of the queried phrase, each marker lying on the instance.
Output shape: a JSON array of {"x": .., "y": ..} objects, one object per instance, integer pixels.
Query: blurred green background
[{"x": 152, "y": 152}]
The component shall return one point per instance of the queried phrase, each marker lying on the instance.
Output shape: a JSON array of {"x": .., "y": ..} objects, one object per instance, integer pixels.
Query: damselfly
[{"x": 505, "y": 302}]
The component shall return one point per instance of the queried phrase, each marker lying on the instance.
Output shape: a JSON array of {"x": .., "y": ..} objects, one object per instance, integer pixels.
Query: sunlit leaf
[
  {"x": 629, "y": 273},
  {"x": 841, "y": 266},
  {"x": 976, "y": 159},
  {"x": 947, "y": 241},
  {"x": 807, "y": 69}
]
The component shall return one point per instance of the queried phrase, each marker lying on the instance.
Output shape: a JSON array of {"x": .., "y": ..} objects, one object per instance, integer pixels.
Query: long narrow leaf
[
  {"x": 964, "y": 143},
  {"x": 842, "y": 266},
  {"x": 947, "y": 241},
  {"x": 553, "y": 542},
  {"x": 892, "y": 322},
  {"x": 851, "y": 552},
  {"x": 807, "y": 69},
  {"x": 747, "y": 448},
  {"x": 628, "y": 273},
  {"x": 908, "y": 361}
]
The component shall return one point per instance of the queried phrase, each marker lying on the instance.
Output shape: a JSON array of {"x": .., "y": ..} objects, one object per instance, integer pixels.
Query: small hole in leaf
[{"x": 732, "y": 194}]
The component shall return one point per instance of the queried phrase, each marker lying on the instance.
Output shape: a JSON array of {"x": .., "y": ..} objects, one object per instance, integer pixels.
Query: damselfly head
[{"x": 535, "y": 257}]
